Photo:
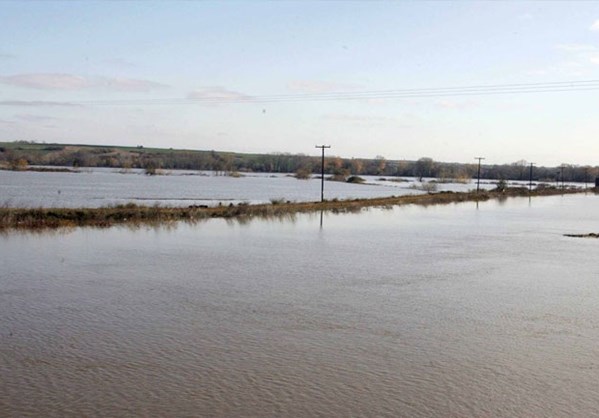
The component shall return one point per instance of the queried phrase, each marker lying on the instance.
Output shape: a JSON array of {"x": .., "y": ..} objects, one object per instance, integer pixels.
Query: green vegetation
[
  {"x": 20, "y": 155},
  {"x": 16, "y": 218}
]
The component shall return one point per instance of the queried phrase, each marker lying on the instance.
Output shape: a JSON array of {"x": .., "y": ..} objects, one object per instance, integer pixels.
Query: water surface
[
  {"x": 415, "y": 312},
  {"x": 99, "y": 187}
]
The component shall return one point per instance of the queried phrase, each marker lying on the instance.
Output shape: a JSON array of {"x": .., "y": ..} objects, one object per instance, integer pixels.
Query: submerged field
[
  {"x": 383, "y": 300},
  {"x": 467, "y": 309}
]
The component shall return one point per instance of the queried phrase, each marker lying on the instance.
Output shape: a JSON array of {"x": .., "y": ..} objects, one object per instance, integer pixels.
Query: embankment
[{"x": 42, "y": 218}]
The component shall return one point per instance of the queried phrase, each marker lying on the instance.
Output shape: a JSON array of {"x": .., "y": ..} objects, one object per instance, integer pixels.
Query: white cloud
[
  {"x": 217, "y": 94},
  {"x": 315, "y": 86},
  {"x": 54, "y": 81},
  {"x": 595, "y": 26}
]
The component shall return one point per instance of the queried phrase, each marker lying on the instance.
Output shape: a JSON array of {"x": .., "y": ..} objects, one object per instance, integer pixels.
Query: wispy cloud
[
  {"x": 316, "y": 86},
  {"x": 578, "y": 55},
  {"x": 47, "y": 81},
  {"x": 7, "y": 56},
  {"x": 37, "y": 103},
  {"x": 28, "y": 117},
  {"x": 368, "y": 121},
  {"x": 119, "y": 62},
  {"x": 361, "y": 119},
  {"x": 525, "y": 16},
  {"x": 129, "y": 84},
  {"x": 456, "y": 104},
  {"x": 595, "y": 26},
  {"x": 566, "y": 69},
  {"x": 54, "y": 81},
  {"x": 575, "y": 47},
  {"x": 217, "y": 94},
  {"x": 577, "y": 60}
]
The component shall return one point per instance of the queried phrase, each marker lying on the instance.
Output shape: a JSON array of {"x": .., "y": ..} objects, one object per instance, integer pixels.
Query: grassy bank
[{"x": 21, "y": 218}]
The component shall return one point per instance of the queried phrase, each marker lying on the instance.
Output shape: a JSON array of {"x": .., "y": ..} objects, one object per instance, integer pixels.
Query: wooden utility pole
[
  {"x": 322, "y": 147},
  {"x": 586, "y": 177},
  {"x": 530, "y": 178},
  {"x": 478, "y": 175}
]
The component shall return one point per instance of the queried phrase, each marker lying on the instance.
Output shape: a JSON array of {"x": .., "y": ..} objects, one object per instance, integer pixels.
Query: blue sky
[{"x": 135, "y": 73}]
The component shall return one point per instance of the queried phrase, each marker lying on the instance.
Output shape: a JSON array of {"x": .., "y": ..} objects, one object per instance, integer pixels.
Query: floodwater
[
  {"x": 446, "y": 311},
  {"x": 103, "y": 187}
]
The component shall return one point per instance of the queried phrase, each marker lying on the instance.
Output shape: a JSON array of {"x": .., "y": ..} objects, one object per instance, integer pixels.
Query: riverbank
[{"x": 44, "y": 218}]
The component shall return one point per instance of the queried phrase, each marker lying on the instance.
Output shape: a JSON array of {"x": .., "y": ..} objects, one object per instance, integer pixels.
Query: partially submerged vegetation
[
  {"x": 345, "y": 179},
  {"x": 21, "y": 218}
]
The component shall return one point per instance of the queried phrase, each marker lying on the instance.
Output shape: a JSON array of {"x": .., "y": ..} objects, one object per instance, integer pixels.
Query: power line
[{"x": 475, "y": 90}]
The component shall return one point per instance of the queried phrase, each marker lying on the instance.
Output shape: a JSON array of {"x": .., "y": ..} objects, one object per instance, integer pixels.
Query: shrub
[
  {"x": 429, "y": 187},
  {"x": 337, "y": 177},
  {"x": 303, "y": 173},
  {"x": 356, "y": 179},
  {"x": 19, "y": 165},
  {"x": 501, "y": 186}
]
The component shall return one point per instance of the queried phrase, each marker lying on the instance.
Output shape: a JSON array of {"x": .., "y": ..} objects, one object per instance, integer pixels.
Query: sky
[{"x": 266, "y": 77}]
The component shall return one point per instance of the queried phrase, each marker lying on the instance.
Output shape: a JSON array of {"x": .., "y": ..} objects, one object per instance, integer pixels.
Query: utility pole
[
  {"x": 586, "y": 177},
  {"x": 562, "y": 174},
  {"x": 530, "y": 178},
  {"x": 322, "y": 147},
  {"x": 478, "y": 176}
]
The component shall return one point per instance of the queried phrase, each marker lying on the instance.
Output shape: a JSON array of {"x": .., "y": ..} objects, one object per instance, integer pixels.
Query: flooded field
[
  {"x": 102, "y": 187},
  {"x": 450, "y": 311}
]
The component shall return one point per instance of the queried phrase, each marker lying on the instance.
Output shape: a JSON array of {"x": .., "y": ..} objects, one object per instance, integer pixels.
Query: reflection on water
[{"x": 417, "y": 312}]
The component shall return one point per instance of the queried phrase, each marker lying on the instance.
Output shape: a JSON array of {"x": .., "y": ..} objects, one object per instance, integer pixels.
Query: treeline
[{"x": 19, "y": 155}]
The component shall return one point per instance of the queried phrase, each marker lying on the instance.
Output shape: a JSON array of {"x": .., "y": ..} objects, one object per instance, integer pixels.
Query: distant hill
[{"x": 20, "y": 154}]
